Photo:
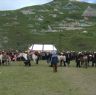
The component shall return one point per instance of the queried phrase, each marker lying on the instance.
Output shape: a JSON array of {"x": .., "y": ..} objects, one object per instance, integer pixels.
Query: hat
[
  {"x": 53, "y": 52},
  {"x": 26, "y": 51},
  {"x": 61, "y": 53},
  {"x": 79, "y": 52}
]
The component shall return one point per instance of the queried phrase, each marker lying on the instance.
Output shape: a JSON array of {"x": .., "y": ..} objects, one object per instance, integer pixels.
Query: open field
[{"x": 40, "y": 80}]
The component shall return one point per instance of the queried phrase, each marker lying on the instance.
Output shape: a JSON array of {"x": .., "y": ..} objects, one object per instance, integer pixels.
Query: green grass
[{"x": 41, "y": 80}]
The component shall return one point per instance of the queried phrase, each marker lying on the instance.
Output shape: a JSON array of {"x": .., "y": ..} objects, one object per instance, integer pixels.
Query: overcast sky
[{"x": 16, "y": 4}]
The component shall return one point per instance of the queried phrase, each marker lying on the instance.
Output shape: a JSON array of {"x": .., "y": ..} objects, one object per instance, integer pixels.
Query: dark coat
[{"x": 54, "y": 59}]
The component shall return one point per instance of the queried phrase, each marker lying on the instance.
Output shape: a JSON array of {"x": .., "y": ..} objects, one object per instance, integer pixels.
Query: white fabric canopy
[{"x": 42, "y": 47}]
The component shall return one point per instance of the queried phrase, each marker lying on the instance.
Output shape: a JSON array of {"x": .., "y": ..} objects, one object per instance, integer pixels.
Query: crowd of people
[
  {"x": 82, "y": 59},
  {"x": 55, "y": 59}
]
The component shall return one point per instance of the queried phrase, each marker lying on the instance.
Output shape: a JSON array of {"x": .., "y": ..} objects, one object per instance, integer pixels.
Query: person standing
[
  {"x": 1, "y": 58},
  {"x": 54, "y": 61},
  {"x": 78, "y": 57},
  {"x": 62, "y": 59},
  {"x": 94, "y": 60},
  {"x": 48, "y": 57}
]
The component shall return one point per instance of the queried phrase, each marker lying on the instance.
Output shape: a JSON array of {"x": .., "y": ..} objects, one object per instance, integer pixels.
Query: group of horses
[
  {"x": 81, "y": 59},
  {"x": 30, "y": 56},
  {"x": 5, "y": 59}
]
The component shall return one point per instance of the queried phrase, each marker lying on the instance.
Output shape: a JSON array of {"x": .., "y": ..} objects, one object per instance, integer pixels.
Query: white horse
[
  {"x": 5, "y": 59},
  {"x": 33, "y": 56},
  {"x": 62, "y": 59}
]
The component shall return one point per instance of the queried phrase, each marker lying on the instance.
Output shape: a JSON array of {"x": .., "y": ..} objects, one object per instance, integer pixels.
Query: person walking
[{"x": 54, "y": 61}]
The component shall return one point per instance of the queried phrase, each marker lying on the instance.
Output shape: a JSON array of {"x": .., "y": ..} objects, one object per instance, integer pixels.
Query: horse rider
[
  {"x": 26, "y": 59},
  {"x": 38, "y": 55}
]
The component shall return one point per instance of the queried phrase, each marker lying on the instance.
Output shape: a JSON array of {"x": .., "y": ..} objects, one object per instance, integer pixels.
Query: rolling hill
[{"x": 59, "y": 22}]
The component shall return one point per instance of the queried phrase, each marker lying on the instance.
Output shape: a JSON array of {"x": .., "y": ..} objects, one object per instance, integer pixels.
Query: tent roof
[{"x": 42, "y": 47}]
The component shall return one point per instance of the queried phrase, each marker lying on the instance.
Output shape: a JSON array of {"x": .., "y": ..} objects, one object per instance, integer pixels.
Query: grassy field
[{"x": 41, "y": 80}]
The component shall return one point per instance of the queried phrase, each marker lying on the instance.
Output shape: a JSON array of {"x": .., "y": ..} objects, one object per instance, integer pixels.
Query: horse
[
  {"x": 32, "y": 56},
  {"x": 62, "y": 59},
  {"x": 5, "y": 59},
  {"x": 25, "y": 58},
  {"x": 35, "y": 58},
  {"x": 84, "y": 61}
]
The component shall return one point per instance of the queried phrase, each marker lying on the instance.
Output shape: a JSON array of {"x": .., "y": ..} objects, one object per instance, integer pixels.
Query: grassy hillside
[{"x": 47, "y": 24}]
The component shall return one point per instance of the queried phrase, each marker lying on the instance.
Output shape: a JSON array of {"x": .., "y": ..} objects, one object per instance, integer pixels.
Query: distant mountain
[{"x": 49, "y": 23}]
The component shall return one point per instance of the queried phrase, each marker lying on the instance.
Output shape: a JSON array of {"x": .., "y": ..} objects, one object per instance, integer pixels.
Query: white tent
[{"x": 42, "y": 47}]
